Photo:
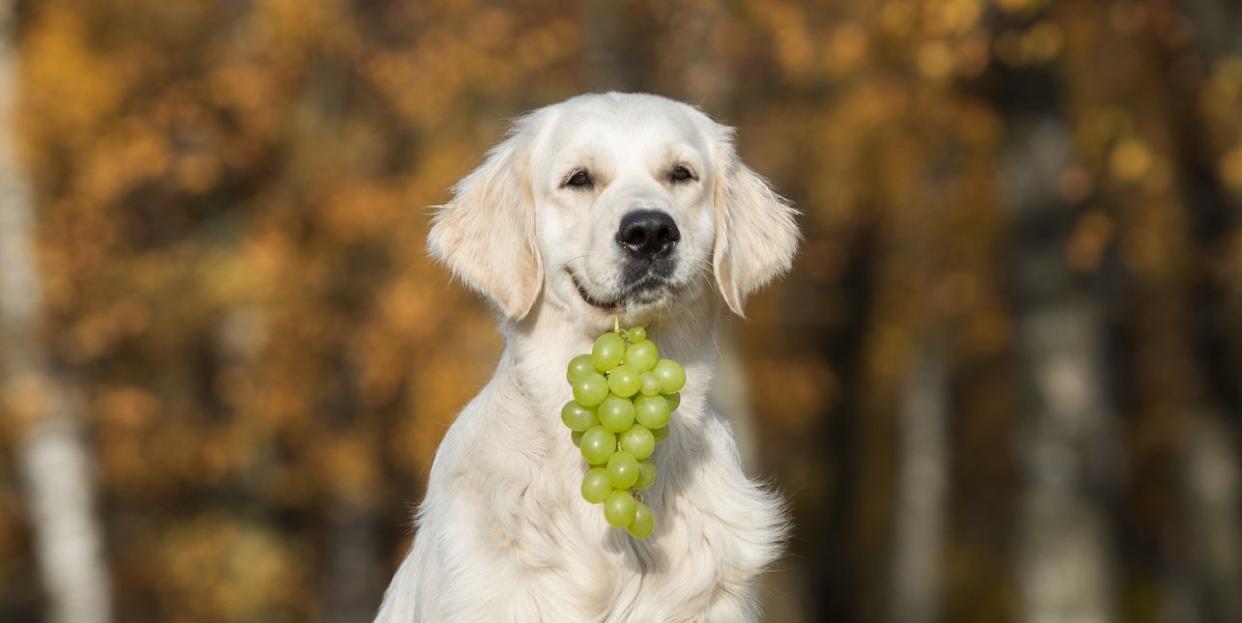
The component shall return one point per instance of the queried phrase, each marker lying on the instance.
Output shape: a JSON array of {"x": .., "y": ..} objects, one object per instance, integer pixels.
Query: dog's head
[{"x": 614, "y": 203}]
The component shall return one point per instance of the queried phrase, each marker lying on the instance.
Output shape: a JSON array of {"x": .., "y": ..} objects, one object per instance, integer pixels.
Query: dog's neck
[{"x": 540, "y": 346}]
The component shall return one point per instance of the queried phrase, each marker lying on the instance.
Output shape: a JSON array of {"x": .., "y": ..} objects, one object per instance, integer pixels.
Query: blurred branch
[{"x": 54, "y": 461}]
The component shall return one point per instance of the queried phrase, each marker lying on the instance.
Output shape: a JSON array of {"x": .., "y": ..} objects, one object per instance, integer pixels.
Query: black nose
[{"x": 648, "y": 234}]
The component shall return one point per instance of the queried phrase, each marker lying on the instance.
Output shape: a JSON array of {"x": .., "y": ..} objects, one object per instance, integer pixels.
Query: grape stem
[{"x": 616, "y": 324}]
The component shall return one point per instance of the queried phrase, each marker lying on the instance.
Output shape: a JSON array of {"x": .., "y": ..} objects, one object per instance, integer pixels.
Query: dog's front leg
[{"x": 732, "y": 607}]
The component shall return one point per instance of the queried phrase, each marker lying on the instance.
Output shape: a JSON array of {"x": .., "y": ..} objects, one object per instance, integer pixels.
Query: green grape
[
  {"x": 651, "y": 411},
  {"x": 579, "y": 367},
  {"x": 644, "y": 522},
  {"x": 591, "y": 389},
  {"x": 616, "y": 414},
  {"x": 619, "y": 509},
  {"x": 673, "y": 399},
  {"x": 597, "y": 445},
  {"x": 646, "y": 474},
  {"x": 624, "y": 396},
  {"x": 607, "y": 351},
  {"x": 577, "y": 417},
  {"x": 638, "y": 441},
  {"x": 624, "y": 381},
  {"x": 622, "y": 470},
  {"x": 672, "y": 376},
  {"x": 595, "y": 487},
  {"x": 651, "y": 384},
  {"x": 642, "y": 356}
]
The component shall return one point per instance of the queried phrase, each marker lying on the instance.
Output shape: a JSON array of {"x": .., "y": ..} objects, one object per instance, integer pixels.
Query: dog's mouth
[
  {"x": 645, "y": 290},
  {"x": 592, "y": 301}
]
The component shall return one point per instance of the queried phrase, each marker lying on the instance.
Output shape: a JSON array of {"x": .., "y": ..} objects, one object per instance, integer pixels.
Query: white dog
[{"x": 602, "y": 205}]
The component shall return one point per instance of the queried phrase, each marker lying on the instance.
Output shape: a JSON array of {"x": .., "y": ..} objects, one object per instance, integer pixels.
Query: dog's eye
[
  {"x": 680, "y": 174},
  {"x": 580, "y": 179}
]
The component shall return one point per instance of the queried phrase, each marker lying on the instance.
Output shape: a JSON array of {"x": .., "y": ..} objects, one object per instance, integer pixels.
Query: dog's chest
[{"x": 716, "y": 530}]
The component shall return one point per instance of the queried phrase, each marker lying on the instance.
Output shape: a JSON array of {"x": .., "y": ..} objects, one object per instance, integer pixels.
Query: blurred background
[{"x": 1003, "y": 383}]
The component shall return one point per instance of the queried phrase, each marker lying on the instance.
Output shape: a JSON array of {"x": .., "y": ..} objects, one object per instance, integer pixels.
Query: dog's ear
[
  {"x": 756, "y": 235},
  {"x": 486, "y": 233}
]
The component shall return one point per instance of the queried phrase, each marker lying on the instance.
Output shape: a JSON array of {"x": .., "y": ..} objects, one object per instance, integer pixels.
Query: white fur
[{"x": 503, "y": 534}]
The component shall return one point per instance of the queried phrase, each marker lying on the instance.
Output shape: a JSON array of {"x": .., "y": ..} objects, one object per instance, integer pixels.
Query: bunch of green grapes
[{"x": 624, "y": 394}]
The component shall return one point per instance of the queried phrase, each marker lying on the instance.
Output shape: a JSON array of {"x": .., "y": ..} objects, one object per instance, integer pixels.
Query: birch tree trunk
[
  {"x": 53, "y": 460},
  {"x": 922, "y": 483},
  {"x": 1063, "y": 562},
  {"x": 1215, "y": 510}
]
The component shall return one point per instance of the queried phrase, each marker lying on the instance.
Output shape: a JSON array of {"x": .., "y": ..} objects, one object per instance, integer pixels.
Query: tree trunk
[
  {"x": 921, "y": 487},
  {"x": 53, "y": 459},
  {"x": 608, "y": 54},
  {"x": 1215, "y": 510},
  {"x": 352, "y": 586},
  {"x": 1211, "y": 472},
  {"x": 352, "y": 564},
  {"x": 1063, "y": 558},
  {"x": 1216, "y": 24},
  {"x": 1063, "y": 561}
]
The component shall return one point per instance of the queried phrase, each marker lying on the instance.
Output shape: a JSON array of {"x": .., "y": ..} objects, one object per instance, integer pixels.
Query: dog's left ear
[
  {"x": 756, "y": 235},
  {"x": 486, "y": 233}
]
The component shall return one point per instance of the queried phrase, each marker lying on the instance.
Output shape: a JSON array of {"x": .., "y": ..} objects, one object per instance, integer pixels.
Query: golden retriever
[{"x": 604, "y": 205}]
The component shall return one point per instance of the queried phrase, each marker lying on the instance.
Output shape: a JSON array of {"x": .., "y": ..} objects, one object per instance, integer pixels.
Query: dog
[{"x": 605, "y": 205}]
